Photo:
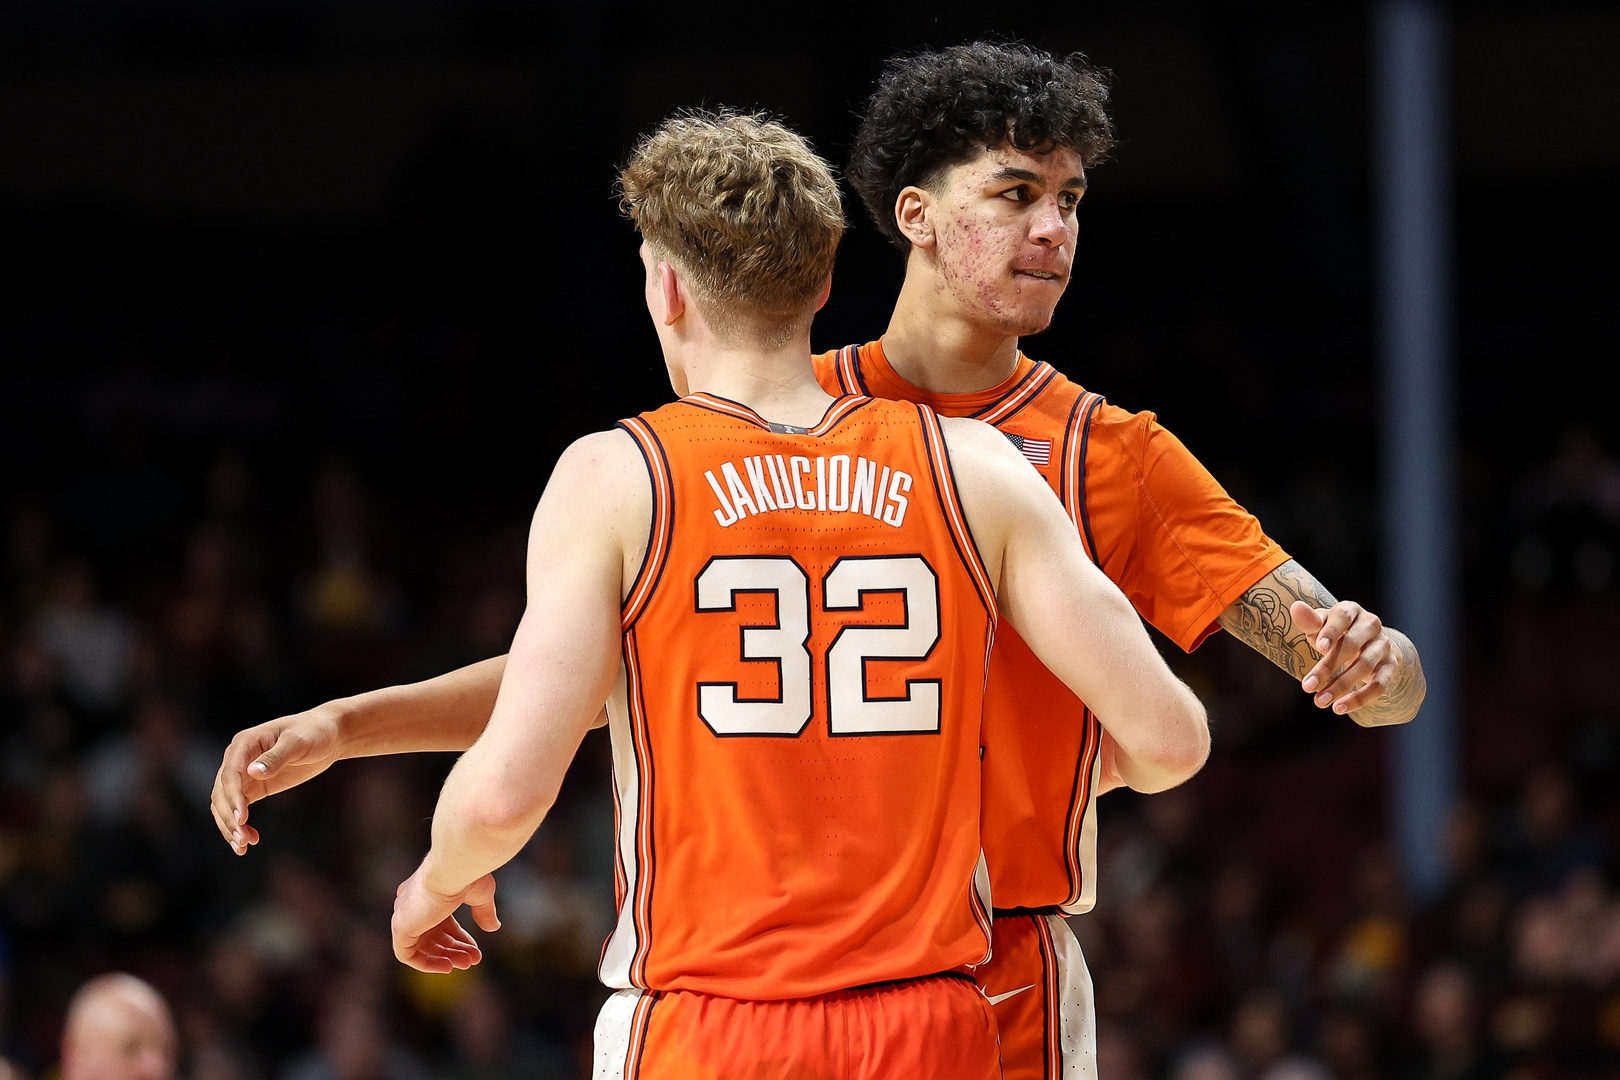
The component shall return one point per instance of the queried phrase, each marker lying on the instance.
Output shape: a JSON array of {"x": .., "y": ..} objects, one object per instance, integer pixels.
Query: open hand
[
  {"x": 263, "y": 760},
  {"x": 426, "y": 934}
]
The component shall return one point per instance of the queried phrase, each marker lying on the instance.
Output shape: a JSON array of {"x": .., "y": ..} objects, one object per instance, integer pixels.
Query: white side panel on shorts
[
  {"x": 615, "y": 1025},
  {"x": 614, "y": 969},
  {"x": 1077, "y": 1013}
]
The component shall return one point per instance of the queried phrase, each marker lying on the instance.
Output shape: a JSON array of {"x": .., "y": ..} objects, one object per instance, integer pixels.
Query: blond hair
[{"x": 746, "y": 209}]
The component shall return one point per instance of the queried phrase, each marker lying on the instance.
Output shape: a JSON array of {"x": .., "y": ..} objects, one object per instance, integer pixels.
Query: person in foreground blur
[
  {"x": 792, "y": 665},
  {"x": 119, "y": 1027},
  {"x": 973, "y": 161}
]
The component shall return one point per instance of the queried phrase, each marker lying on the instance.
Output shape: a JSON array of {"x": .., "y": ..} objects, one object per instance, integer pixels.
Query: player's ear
[
  {"x": 913, "y": 214},
  {"x": 826, "y": 291},
  {"x": 674, "y": 295}
]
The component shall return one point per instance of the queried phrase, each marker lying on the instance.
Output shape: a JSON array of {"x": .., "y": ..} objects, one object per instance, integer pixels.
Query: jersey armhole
[
  {"x": 1076, "y": 441},
  {"x": 939, "y": 464},
  {"x": 663, "y": 520},
  {"x": 849, "y": 374}
]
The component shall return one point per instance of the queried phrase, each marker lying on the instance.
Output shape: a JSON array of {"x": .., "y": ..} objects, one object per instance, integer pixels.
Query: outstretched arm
[
  {"x": 1076, "y": 620},
  {"x": 587, "y": 533},
  {"x": 443, "y": 713},
  {"x": 1342, "y": 653}
]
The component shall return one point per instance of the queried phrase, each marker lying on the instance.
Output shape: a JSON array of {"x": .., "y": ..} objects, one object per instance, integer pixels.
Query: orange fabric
[
  {"x": 1018, "y": 983},
  {"x": 796, "y": 733},
  {"x": 936, "y": 1028},
  {"x": 1158, "y": 524}
]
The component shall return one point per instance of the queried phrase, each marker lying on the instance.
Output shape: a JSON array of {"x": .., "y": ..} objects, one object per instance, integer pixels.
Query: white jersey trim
[
  {"x": 1086, "y": 844},
  {"x": 623, "y": 943}
]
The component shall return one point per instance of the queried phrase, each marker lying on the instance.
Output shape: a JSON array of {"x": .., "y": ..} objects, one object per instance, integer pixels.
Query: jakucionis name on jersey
[{"x": 840, "y": 483}]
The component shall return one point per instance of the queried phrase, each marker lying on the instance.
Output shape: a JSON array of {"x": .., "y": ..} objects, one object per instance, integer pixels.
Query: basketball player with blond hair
[
  {"x": 786, "y": 599},
  {"x": 973, "y": 161}
]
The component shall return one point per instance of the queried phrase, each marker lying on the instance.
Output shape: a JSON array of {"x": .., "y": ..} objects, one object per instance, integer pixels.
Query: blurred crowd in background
[
  {"x": 1251, "y": 925},
  {"x": 299, "y": 302}
]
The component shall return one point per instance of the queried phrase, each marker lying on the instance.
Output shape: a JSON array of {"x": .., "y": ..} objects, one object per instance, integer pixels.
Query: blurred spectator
[
  {"x": 291, "y": 927},
  {"x": 383, "y": 829},
  {"x": 1349, "y": 1047},
  {"x": 119, "y": 1027},
  {"x": 1546, "y": 840},
  {"x": 1374, "y": 947},
  {"x": 1569, "y": 518},
  {"x": 91, "y": 645},
  {"x": 1205, "y": 1062},
  {"x": 546, "y": 909},
  {"x": 353, "y": 1042},
  {"x": 160, "y": 754},
  {"x": 1117, "y": 1056},
  {"x": 486, "y": 1045},
  {"x": 1235, "y": 924},
  {"x": 1263, "y": 1042},
  {"x": 345, "y": 592},
  {"x": 28, "y": 558},
  {"x": 1447, "y": 1028},
  {"x": 39, "y": 732}
]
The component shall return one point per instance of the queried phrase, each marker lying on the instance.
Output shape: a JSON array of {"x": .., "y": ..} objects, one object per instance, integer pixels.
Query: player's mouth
[{"x": 1041, "y": 275}]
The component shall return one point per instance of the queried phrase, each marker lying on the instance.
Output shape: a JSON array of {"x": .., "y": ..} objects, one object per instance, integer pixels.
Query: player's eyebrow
[{"x": 1011, "y": 173}]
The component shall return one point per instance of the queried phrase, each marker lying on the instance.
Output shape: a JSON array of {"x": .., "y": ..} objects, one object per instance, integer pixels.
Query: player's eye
[
  {"x": 1069, "y": 200},
  {"x": 1017, "y": 194}
]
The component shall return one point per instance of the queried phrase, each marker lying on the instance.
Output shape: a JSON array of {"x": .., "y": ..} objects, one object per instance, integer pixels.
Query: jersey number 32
[{"x": 785, "y": 643}]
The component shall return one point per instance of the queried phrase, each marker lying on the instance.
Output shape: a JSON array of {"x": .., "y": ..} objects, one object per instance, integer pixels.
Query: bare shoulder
[
  {"x": 600, "y": 478},
  {"x": 989, "y": 471},
  {"x": 601, "y": 453},
  {"x": 976, "y": 445}
]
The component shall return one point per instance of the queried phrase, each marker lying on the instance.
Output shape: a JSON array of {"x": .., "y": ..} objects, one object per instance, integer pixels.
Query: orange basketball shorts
[
  {"x": 1038, "y": 985},
  {"x": 937, "y": 1027}
]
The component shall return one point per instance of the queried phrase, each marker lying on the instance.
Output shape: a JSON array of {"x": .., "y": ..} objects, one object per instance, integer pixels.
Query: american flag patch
[{"x": 1038, "y": 451}]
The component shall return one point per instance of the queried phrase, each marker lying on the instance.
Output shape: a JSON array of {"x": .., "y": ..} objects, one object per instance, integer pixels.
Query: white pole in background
[{"x": 1411, "y": 139}]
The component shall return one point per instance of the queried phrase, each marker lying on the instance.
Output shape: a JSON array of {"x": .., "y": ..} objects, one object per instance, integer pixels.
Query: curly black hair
[{"x": 932, "y": 110}]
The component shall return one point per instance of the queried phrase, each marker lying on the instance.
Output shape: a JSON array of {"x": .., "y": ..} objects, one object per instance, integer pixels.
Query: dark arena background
[{"x": 300, "y": 302}]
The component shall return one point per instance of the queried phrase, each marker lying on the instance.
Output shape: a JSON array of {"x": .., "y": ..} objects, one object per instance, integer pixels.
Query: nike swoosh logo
[{"x": 999, "y": 998}]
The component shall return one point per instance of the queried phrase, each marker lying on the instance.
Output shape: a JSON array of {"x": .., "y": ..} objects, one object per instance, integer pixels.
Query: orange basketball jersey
[
  {"x": 1157, "y": 523},
  {"x": 796, "y": 728}
]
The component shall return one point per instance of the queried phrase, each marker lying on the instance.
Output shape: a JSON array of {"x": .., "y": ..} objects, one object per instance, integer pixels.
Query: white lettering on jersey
[
  {"x": 895, "y": 514},
  {"x": 840, "y": 484}
]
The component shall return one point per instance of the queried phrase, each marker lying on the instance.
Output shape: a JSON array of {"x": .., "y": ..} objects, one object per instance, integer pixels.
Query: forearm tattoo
[
  {"x": 1260, "y": 619},
  {"x": 1400, "y": 702}
]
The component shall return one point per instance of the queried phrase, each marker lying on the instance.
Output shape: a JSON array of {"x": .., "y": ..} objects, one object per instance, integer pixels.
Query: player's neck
[
  {"x": 940, "y": 352},
  {"x": 778, "y": 384}
]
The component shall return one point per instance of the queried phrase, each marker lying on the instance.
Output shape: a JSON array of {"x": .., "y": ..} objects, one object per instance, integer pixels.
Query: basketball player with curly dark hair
[{"x": 973, "y": 160}]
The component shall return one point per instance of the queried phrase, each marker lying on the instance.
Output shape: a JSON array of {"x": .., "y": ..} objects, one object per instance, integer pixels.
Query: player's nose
[{"x": 1048, "y": 225}]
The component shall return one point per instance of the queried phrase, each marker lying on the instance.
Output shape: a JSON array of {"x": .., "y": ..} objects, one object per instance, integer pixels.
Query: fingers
[
  {"x": 480, "y": 901},
  {"x": 230, "y": 805},
  {"x": 229, "y": 809},
  {"x": 1383, "y": 678},
  {"x": 1360, "y": 681},
  {"x": 1342, "y": 632},
  {"x": 222, "y": 818},
  {"x": 444, "y": 948},
  {"x": 287, "y": 747},
  {"x": 1305, "y": 617},
  {"x": 484, "y": 915},
  {"x": 1340, "y": 617}
]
